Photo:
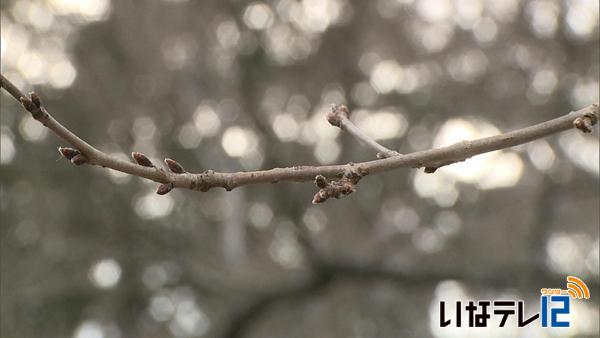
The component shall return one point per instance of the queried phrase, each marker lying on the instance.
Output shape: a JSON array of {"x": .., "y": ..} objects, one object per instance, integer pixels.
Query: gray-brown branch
[{"x": 177, "y": 177}]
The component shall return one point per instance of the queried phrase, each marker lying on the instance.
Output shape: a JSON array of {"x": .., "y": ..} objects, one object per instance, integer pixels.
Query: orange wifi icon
[{"x": 577, "y": 288}]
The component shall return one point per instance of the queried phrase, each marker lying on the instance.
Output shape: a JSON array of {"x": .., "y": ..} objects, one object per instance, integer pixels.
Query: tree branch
[{"x": 344, "y": 176}]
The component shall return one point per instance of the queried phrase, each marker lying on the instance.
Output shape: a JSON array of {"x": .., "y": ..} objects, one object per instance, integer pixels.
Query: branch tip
[
  {"x": 337, "y": 114},
  {"x": 587, "y": 121}
]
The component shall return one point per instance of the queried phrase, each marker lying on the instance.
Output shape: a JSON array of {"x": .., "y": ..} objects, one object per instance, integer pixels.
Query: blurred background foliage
[{"x": 236, "y": 85}]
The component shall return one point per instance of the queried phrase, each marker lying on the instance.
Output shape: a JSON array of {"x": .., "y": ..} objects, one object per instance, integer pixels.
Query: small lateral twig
[
  {"x": 343, "y": 177},
  {"x": 338, "y": 117}
]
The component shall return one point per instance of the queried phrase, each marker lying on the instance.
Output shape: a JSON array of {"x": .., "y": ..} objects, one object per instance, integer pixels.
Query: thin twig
[
  {"x": 432, "y": 159},
  {"x": 338, "y": 117},
  {"x": 93, "y": 155}
]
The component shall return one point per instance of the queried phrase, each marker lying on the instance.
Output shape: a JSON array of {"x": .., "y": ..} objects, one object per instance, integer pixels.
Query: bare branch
[
  {"x": 94, "y": 156},
  {"x": 177, "y": 177},
  {"x": 338, "y": 117}
]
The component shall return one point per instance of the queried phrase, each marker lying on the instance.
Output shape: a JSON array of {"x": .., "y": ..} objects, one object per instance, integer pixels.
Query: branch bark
[{"x": 341, "y": 174}]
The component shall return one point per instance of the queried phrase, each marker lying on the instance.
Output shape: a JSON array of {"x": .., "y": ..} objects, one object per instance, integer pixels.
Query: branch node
[
  {"x": 28, "y": 104},
  {"x": 141, "y": 159},
  {"x": 79, "y": 159},
  {"x": 353, "y": 173},
  {"x": 336, "y": 114},
  {"x": 165, "y": 188},
  {"x": 202, "y": 181},
  {"x": 33, "y": 105},
  {"x": 340, "y": 188},
  {"x": 387, "y": 154},
  {"x": 174, "y": 166},
  {"x": 362, "y": 171}
]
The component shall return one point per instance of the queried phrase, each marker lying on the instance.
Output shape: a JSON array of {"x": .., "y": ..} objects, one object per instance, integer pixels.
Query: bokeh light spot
[
  {"x": 105, "y": 274},
  {"x": 258, "y": 16}
]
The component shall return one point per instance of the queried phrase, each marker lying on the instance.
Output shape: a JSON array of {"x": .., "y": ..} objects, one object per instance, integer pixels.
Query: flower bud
[
  {"x": 164, "y": 188},
  {"x": 79, "y": 159},
  {"x": 68, "y": 153},
  {"x": 321, "y": 181},
  {"x": 141, "y": 159},
  {"x": 174, "y": 166},
  {"x": 35, "y": 99}
]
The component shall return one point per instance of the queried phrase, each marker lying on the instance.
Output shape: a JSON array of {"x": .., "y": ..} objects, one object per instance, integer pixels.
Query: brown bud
[
  {"x": 141, "y": 159},
  {"x": 68, "y": 153},
  {"x": 321, "y": 181},
  {"x": 586, "y": 122},
  {"x": 164, "y": 188},
  {"x": 35, "y": 99},
  {"x": 579, "y": 123},
  {"x": 28, "y": 104},
  {"x": 430, "y": 170},
  {"x": 174, "y": 166},
  {"x": 79, "y": 159}
]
